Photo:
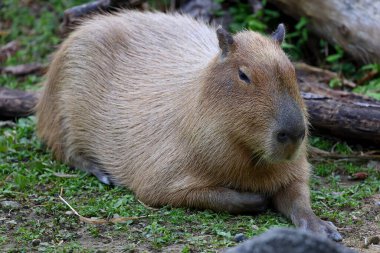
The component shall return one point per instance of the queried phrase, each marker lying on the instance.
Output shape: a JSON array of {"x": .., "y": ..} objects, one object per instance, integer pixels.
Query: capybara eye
[{"x": 244, "y": 77}]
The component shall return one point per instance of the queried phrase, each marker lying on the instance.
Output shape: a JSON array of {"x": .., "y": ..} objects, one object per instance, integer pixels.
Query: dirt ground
[{"x": 355, "y": 236}]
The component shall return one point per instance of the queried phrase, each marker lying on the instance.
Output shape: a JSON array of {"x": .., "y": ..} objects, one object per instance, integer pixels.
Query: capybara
[{"x": 182, "y": 113}]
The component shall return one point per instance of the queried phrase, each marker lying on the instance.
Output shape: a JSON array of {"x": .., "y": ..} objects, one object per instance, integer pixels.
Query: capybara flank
[{"x": 182, "y": 113}]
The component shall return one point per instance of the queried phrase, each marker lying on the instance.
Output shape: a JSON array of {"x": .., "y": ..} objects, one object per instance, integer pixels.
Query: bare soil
[
  {"x": 366, "y": 226},
  {"x": 108, "y": 239}
]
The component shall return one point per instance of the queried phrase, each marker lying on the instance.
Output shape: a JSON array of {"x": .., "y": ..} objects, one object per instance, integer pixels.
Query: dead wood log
[
  {"x": 352, "y": 24},
  {"x": 73, "y": 15},
  {"x": 24, "y": 69},
  {"x": 333, "y": 112},
  {"x": 9, "y": 49},
  {"x": 201, "y": 9},
  {"x": 317, "y": 154},
  {"x": 16, "y": 103},
  {"x": 339, "y": 113}
]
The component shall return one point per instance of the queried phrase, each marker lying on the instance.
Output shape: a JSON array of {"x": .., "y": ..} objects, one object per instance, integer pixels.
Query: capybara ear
[
  {"x": 226, "y": 41},
  {"x": 279, "y": 34}
]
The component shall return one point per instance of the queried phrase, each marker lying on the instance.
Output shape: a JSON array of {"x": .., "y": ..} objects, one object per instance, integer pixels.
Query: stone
[
  {"x": 285, "y": 240},
  {"x": 8, "y": 204}
]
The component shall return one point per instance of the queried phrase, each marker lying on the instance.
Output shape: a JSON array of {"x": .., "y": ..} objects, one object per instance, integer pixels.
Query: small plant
[
  {"x": 335, "y": 82},
  {"x": 371, "y": 87},
  {"x": 295, "y": 41},
  {"x": 336, "y": 56},
  {"x": 243, "y": 18}
]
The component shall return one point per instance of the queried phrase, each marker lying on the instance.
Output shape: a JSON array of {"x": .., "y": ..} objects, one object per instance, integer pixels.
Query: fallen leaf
[{"x": 358, "y": 176}]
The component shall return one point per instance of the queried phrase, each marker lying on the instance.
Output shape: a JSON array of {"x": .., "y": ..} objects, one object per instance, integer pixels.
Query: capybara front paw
[
  {"x": 326, "y": 228},
  {"x": 331, "y": 231}
]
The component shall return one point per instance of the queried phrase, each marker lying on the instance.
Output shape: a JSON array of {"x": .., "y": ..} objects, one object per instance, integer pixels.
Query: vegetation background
[{"x": 35, "y": 219}]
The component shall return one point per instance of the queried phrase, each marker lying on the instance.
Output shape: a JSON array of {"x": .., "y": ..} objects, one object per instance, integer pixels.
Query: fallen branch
[
  {"x": 324, "y": 75},
  {"x": 98, "y": 221},
  {"x": 333, "y": 112},
  {"x": 16, "y": 103},
  {"x": 147, "y": 207},
  {"x": 367, "y": 77},
  {"x": 316, "y": 153},
  {"x": 24, "y": 69},
  {"x": 73, "y": 15},
  {"x": 8, "y": 50},
  {"x": 7, "y": 123},
  {"x": 64, "y": 175},
  {"x": 339, "y": 113}
]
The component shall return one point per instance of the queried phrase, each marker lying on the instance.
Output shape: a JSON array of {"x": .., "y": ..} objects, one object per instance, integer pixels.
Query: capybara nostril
[
  {"x": 291, "y": 135},
  {"x": 282, "y": 137},
  {"x": 298, "y": 134}
]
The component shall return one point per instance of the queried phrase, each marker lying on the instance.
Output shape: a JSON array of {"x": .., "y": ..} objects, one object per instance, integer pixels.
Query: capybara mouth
[{"x": 282, "y": 153}]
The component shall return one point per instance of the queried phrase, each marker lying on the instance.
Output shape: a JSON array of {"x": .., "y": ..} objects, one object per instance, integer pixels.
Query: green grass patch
[{"x": 28, "y": 176}]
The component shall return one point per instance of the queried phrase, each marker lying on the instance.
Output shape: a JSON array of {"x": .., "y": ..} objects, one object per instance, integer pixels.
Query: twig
[
  {"x": 64, "y": 175},
  {"x": 322, "y": 73},
  {"x": 73, "y": 14},
  {"x": 99, "y": 220},
  {"x": 7, "y": 123},
  {"x": 368, "y": 76},
  {"x": 372, "y": 155},
  {"x": 64, "y": 201},
  {"x": 146, "y": 206}
]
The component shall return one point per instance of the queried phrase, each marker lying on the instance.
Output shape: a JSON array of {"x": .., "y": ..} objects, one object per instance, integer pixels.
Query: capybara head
[{"x": 253, "y": 86}]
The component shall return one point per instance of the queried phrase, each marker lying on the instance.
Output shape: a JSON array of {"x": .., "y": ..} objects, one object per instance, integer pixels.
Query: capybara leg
[
  {"x": 294, "y": 202},
  {"x": 226, "y": 200},
  {"x": 92, "y": 168}
]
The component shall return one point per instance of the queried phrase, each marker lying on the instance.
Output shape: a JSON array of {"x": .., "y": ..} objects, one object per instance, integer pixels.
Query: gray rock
[
  {"x": 286, "y": 240},
  {"x": 372, "y": 240},
  {"x": 8, "y": 204},
  {"x": 36, "y": 242},
  {"x": 240, "y": 237}
]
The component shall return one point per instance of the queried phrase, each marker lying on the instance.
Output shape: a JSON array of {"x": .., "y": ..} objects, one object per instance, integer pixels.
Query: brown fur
[{"x": 149, "y": 99}]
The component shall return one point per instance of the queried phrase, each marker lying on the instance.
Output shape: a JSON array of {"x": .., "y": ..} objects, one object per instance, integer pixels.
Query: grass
[
  {"x": 30, "y": 177},
  {"x": 23, "y": 20}
]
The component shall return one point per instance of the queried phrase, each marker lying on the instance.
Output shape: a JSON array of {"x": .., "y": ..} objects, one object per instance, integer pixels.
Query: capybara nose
[{"x": 291, "y": 135}]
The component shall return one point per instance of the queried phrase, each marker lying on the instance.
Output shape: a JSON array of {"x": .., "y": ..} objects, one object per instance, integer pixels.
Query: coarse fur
[{"x": 149, "y": 101}]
